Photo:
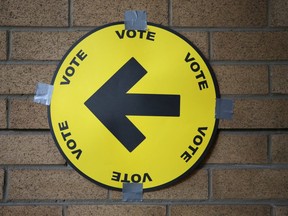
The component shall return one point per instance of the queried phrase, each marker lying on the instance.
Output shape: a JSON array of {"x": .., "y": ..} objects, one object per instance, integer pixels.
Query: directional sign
[
  {"x": 133, "y": 106},
  {"x": 112, "y": 99}
]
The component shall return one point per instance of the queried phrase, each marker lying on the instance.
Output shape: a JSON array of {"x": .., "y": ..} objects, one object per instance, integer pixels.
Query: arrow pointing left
[{"x": 111, "y": 103}]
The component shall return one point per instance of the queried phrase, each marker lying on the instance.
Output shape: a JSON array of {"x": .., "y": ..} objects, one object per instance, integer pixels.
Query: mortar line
[
  {"x": 177, "y": 28},
  {"x": 252, "y": 131},
  {"x": 210, "y": 46},
  {"x": 248, "y": 62},
  {"x": 70, "y": 16},
  {"x": 5, "y": 185},
  {"x": 268, "y": 12},
  {"x": 270, "y": 80},
  {"x": 9, "y": 45},
  {"x": 64, "y": 210},
  {"x": 36, "y": 167},
  {"x": 12, "y": 132},
  {"x": 227, "y": 30},
  {"x": 19, "y": 96},
  {"x": 269, "y": 149},
  {"x": 268, "y": 202},
  {"x": 46, "y": 29},
  {"x": 273, "y": 210},
  {"x": 212, "y": 62},
  {"x": 168, "y": 210},
  {"x": 169, "y": 203},
  {"x": 8, "y": 107},
  {"x": 262, "y": 131},
  {"x": 30, "y": 62},
  {"x": 7, "y": 111},
  {"x": 170, "y": 13},
  {"x": 256, "y": 97},
  {"x": 226, "y": 166},
  {"x": 109, "y": 196},
  {"x": 231, "y": 96},
  {"x": 210, "y": 187}
]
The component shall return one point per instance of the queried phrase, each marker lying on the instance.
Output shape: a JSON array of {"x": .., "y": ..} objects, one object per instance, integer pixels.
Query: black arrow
[{"x": 111, "y": 103}]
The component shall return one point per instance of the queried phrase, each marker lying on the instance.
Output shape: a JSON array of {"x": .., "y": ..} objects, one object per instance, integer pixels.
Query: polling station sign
[{"x": 133, "y": 106}]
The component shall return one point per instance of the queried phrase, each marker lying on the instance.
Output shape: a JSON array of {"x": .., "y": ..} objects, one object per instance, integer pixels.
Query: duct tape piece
[
  {"x": 43, "y": 93},
  {"x": 224, "y": 108},
  {"x": 132, "y": 192},
  {"x": 135, "y": 20}
]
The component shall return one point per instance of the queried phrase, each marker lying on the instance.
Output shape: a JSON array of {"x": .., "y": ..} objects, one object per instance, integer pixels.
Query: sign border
[{"x": 211, "y": 141}]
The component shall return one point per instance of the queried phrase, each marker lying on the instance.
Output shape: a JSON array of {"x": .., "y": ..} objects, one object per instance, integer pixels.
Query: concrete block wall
[{"x": 246, "y": 173}]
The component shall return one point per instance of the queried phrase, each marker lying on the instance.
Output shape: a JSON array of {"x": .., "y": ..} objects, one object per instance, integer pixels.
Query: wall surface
[{"x": 246, "y": 42}]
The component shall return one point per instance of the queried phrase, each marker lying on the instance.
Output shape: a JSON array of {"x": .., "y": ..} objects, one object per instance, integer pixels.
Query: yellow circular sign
[{"x": 133, "y": 106}]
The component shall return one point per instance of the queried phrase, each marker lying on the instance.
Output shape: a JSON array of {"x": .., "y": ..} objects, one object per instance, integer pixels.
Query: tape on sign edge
[
  {"x": 135, "y": 20},
  {"x": 132, "y": 192},
  {"x": 43, "y": 94},
  {"x": 224, "y": 108}
]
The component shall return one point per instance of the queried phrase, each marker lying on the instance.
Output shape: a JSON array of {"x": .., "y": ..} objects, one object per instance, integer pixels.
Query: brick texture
[
  {"x": 244, "y": 79},
  {"x": 42, "y": 45},
  {"x": 200, "y": 40},
  {"x": 31, "y": 13},
  {"x": 193, "y": 187},
  {"x": 103, "y": 12},
  {"x": 52, "y": 184},
  {"x": 24, "y": 114},
  {"x": 249, "y": 46},
  {"x": 23, "y": 148},
  {"x": 117, "y": 210},
  {"x": 279, "y": 15},
  {"x": 245, "y": 171},
  {"x": 22, "y": 79},
  {"x": 279, "y": 82},
  {"x": 202, "y": 210},
  {"x": 3, "y": 45},
  {"x": 280, "y": 148},
  {"x": 239, "y": 148},
  {"x": 250, "y": 113},
  {"x": 250, "y": 184},
  {"x": 31, "y": 210},
  {"x": 281, "y": 211},
  {"x": 3, "y": 114},
  {"x": 219, "y": 13}
]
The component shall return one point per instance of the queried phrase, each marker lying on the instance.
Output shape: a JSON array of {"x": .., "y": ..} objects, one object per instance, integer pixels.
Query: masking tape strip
[
  {"x": 132, "y": 192},
  {"x": 224, "y": 108},
  {"x": 43, "y": 94},
  {"x": 135, "y": 20}
]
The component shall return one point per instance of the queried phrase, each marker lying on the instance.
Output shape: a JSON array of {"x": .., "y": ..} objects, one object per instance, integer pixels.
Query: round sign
[{"x": 133, "y": 106}]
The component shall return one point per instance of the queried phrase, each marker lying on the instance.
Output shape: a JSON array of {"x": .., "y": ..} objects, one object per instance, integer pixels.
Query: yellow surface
[{"x": 167, "y": 138}]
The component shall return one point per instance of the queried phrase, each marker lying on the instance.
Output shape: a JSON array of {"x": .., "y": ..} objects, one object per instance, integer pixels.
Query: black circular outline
[{"x": 200, "y": 159}]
